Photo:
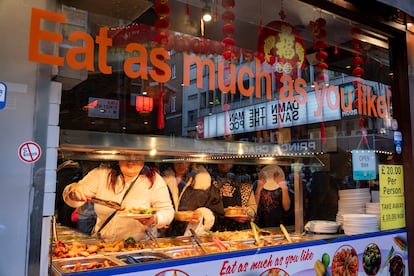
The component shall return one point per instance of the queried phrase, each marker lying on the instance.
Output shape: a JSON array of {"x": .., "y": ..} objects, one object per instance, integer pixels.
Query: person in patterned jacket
[{"x": 236, "y": 190}]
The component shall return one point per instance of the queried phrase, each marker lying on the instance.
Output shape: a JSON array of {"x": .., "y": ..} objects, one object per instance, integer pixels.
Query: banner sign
[{"x": 368, "y": 254}]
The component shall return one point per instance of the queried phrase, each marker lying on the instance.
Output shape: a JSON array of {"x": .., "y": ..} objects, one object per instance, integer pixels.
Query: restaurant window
[
  {"x": 203, "y": 99},
  {"x": 303, "y": 110},
  {"x": 192, "y": 117}
]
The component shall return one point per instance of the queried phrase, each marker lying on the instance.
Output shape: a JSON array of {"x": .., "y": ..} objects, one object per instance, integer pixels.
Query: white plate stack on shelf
[
  {"x": 352, "y": 201},
  {"x": 373, "y": 208},
  {"x": 322, "y": 226},
  {"x": 354, "y": 224}
]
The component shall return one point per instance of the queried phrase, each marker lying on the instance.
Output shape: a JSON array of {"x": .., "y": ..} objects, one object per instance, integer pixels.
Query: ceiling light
[
  {"x": 207, "y": 16},
  {"x": 207, "y": 13}
]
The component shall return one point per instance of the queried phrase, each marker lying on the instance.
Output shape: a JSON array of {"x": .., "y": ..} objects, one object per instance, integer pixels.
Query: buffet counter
[{"x": 224, "y": 253}]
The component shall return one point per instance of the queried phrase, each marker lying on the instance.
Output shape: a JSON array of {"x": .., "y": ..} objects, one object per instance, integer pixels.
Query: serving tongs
[
  {"x": 195, "y": 238},
  {"x": 152, "y": 237},
  {"x": 108, "y": 203},
  {"x": 286, "y": 233},
  {"x": 219, "y": 244},
  {"x": 255, "y": 230}
]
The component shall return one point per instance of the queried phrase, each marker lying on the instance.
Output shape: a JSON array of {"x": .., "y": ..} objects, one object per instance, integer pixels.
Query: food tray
[
  {"x": 142, "y": 257},
  {"x": 65, "y": 266}
]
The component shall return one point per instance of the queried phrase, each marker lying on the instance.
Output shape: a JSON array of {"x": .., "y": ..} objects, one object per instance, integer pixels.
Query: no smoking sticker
[{"x": 29, "y": 152}]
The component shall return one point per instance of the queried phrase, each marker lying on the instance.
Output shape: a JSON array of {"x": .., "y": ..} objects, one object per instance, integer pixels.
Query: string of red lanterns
[
  {"x": 162, "y": 24},
  {"x": 357, "y": 61},
  {"x": 319, "y": 32},
  {"x": 228, "y": 29}
]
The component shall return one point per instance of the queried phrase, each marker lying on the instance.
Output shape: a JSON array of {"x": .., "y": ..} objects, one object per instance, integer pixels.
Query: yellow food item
[{"x": 319, "y": 268}]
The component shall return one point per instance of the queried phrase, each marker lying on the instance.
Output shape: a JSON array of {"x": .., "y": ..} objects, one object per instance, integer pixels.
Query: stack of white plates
[
  {"x": 352, "y": 201},
  {"x": 373, "y": 208},
  {"x": 359, "y": 223},
  {"x": 322, "y": 226},
  {"x": 375, "y": 196}
]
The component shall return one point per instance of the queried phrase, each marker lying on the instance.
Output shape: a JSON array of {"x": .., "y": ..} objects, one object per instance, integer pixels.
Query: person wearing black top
[{"x": 236, "y": 190}]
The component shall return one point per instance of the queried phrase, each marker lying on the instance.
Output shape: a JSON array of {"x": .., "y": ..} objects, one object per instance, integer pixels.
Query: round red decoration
[
  {"x": 217, "y": 47},
  {"x": 227, "y": 55},
  {"x": 161, "y": 39},
  {"x": 358, "y": 71},
  {"x": 260, "y": 56},
  {"x": 196, "y": 46},
  {"x": 357, "y": 61},
  {"x": 321, "y": 55},
  {"x": 162, "y": 23},
  {"x": 228, "y": 16},
  {"x": 179, "y": 44},
  {"x": 228, "y": 4},
  {"x": 228, "y": 29},
  {"x": 228, "y": 41},
  {"x": 321, "y": 77},
  {"x": 320, "y": 44},
  {"x": 322, "y": 65},
  {"x": 162, "y": 10}
]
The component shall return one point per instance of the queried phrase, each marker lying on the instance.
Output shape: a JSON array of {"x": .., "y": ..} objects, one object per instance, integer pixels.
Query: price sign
[{"x": 392, "y": 202}]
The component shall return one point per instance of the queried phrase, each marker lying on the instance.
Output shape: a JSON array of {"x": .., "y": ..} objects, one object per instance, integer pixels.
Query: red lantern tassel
[
  {"x": 363, "y": 131},
  {"x": 187, "y": 9},
  {"x": 160, "y": 114},
  {"x": 323, "y": 134}
]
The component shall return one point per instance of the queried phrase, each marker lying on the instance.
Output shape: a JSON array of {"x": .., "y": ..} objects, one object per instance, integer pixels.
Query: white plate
[{"x": 138, "y": 216}]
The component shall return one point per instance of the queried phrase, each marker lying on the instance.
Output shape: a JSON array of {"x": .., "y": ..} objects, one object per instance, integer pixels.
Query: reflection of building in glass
[{"x": 211, "y": 113}]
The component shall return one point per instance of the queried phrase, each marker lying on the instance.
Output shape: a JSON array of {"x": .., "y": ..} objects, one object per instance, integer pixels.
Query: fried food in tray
[
  {"x": 80, "y": 249},
  {"x": 84, "y": 264}
]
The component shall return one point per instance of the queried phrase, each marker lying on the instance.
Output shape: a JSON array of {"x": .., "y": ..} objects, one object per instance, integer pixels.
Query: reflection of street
[{"x": 172, "y": 272}]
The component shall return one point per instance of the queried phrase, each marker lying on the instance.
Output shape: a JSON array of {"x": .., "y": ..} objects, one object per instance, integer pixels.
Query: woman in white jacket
[{"x": 145, "y": 188}]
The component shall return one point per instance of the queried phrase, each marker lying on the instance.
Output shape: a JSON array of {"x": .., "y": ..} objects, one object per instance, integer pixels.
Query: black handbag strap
[{"x": 114, "y": 212}]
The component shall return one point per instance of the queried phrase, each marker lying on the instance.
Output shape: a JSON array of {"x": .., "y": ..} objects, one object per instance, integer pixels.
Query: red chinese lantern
[{"x": 143, "y": 104}]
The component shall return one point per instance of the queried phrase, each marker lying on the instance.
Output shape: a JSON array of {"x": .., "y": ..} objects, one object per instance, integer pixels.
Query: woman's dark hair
[{"x": 148, "y": 171}]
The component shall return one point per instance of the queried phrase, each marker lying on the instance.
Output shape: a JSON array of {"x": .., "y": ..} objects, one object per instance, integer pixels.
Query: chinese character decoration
[
  {"x": 319, "y": 32},
  {"x": 282, "y": 47},
  {"x": 228, "y": 29}
]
